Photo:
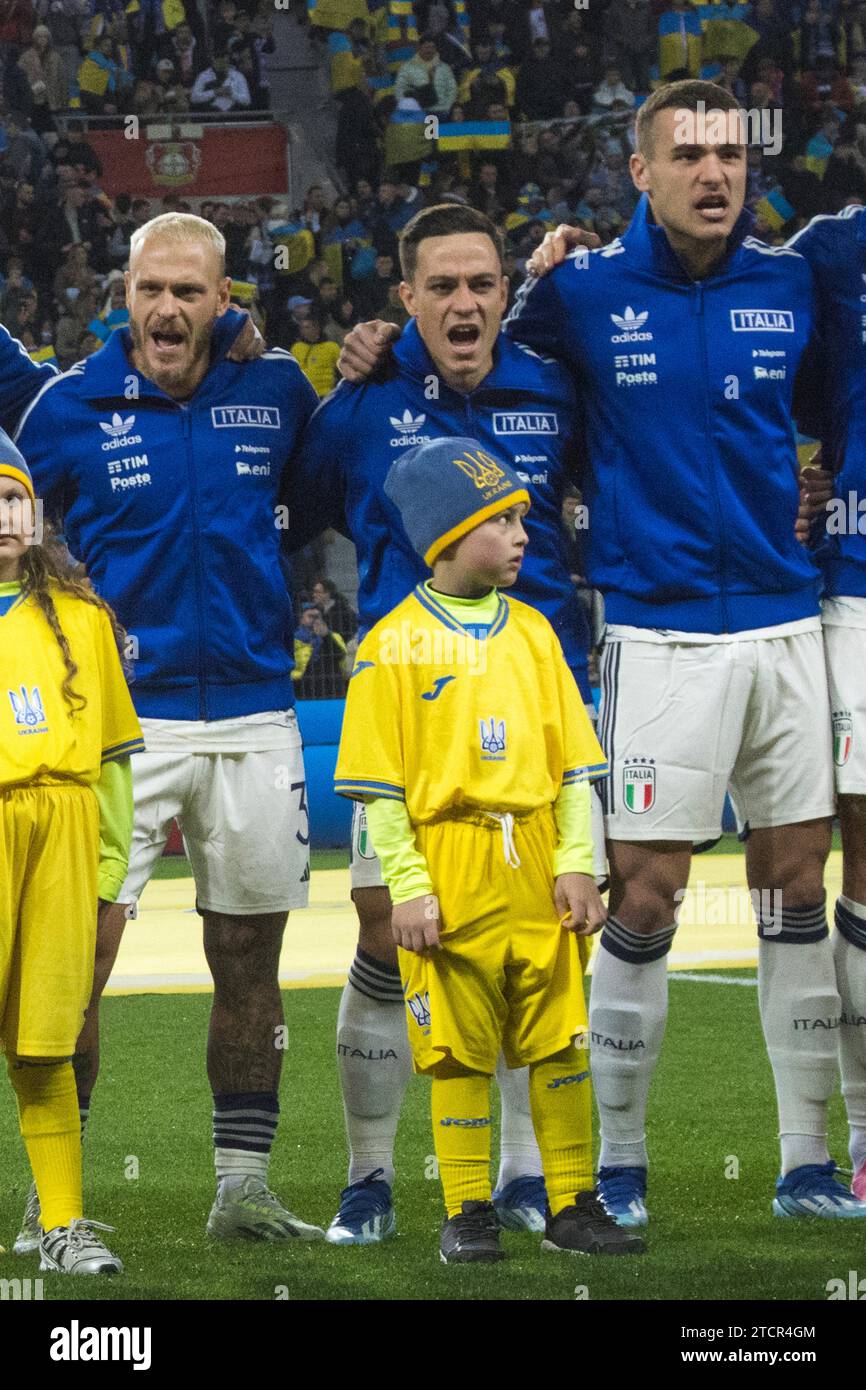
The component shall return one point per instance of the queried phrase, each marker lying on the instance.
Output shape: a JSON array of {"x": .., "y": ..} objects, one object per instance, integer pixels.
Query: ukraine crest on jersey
[
  {"x": 38, "y": 738},
  {"x": 440, "y": 718}
]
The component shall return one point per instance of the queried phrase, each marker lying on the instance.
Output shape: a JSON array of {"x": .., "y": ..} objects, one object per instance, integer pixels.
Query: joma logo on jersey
[
  {"x": 492, "y": 740},
  {"x": 762, "y": 321},
  {"x": 843, "y": 737},
  {"x": 639, "y": 785},
  {"x": 260, "y": 417},
  {"x": 526, "y": 422},
  {"x": 419, "y": 1007},
  {"x": 29, "y": 710}
]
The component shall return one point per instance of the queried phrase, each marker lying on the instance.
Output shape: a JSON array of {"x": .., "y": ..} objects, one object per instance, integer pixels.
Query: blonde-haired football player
[
  {"x": 465, "y": 735},
  {"x": 67, "y": 729}
]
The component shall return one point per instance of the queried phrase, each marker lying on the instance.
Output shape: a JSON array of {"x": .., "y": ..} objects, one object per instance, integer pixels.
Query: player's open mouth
[
  {"x": 464, "y": 335},
  {"x": 713, "y": 208},
  {"x": 166, "y": 343}
]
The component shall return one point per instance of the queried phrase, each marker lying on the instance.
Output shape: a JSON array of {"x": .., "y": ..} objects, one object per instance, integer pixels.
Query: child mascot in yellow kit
[
  {"x": 67, "y": 729},
  {"x": 466, "y": 737}
]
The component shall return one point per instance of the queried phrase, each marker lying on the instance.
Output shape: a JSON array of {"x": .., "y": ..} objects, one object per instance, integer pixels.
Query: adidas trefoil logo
[
  {"x": 630, "y": 321},
  {"x": 118, "y": 432},
  {"x": 407, "y": 426},
  {"x": 118, "y": 425},
  {"x": 408, "y": 422}
]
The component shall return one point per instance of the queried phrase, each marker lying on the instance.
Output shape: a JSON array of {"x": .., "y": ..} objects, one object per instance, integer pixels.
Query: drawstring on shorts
[{"x": 509, "y": 849}]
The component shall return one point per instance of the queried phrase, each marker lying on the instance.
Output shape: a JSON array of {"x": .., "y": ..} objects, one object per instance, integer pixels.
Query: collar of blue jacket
[
  {"x": 648, "y": 243},
  {"x": 108, "y": 368}
]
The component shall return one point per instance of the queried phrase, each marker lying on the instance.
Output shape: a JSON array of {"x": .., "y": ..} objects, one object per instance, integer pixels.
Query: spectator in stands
[
  {"x": 774, "y": 39},
  {"x": 184, "y": 51},
  {"x": 247, "y": 45},
  {"x": 485, "y": 81},
  {"x": 357, "y": 151},
  {"x": 20, "y": 223},
  {"x": 169, "y": 93},
  {"x": 335, "y": 609},
  {"x": 42, "y": 67},
  {"x": 827, "y": 84},
  {"x": 612, "y": 94},
  {"x": 316, "y": 356},
  {"x": 490, "y": 194},
  {"x": 64, "y": 18},
  {"x": 19, "y": 311},
  {"x": 75, "y": 272},
  {"x": 320, "y": 657},
  {"x": 24, "y": 154},
  {"x": 371, "y": 294},
  {"x": 343, "y": 227},
  {"x": 857, "y": 78},
  {"x": 427, "y": 79},
  {"x": 579, "y": 59},
  {"x": 223, "y": 25},
  {"x": 220, "y": 87},
  {"x": 540, "y": 95},
  {"x": 144, "y": 101},
  {"x": 73, "y": 149},
  {"x": 340, "y": 318},
  {"x": 816, "y": 35},
  {"x": 730, "y": 79},
  {"x": 631, "y": 40},
  {"x": 101, "y": 80}
]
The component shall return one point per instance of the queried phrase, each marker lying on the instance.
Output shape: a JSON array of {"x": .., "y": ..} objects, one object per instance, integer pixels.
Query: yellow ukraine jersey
[
  {"x": 443, "y": 721},
  {"x": 38, "y": 738}
]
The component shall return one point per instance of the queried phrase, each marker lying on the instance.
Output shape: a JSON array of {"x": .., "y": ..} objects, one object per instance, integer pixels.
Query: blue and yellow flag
[
  {"x": 818, "y": 152},
  {"x": 406, "y": 137},
  {"x": 726, "y": 29},
  {"x": 335, "y": 14},
  {"x": 473, "y": 135},
  {"x": 775, "y": 209},
  {"x": 680, "y": 43}
]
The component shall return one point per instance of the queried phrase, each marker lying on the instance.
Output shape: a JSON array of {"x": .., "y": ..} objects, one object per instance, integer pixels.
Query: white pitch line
[{"x": 705, "y": 979}]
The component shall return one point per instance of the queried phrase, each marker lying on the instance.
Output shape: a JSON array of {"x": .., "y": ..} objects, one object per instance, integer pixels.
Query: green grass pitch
[{"x": 148, "y": 1171}]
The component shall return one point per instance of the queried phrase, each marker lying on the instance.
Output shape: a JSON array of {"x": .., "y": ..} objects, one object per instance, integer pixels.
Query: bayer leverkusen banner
[{"x": 202, "y": 161}]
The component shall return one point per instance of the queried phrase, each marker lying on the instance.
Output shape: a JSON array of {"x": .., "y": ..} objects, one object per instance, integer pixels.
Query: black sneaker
[
  {"x": 473, "y": 1236},
  {"x": 587, "y": 1228}
]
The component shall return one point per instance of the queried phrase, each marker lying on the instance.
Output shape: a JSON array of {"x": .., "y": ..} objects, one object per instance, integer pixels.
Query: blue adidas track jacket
[
  {"x": 523, "y": 411},
  {"x": 687, "y": 390},
  {"x": 835, "y": 248},
  {"x": 171, "y": 508},
  {"x": 20, "y": 380}
]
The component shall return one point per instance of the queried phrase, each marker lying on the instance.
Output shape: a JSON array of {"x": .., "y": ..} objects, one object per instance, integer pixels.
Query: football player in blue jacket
[
  {"x": 164, "y": 460},
  {"x": 685, "y": 336},
  {"x": 835, "y": 248},
  {"x": 454, "y": 372}
]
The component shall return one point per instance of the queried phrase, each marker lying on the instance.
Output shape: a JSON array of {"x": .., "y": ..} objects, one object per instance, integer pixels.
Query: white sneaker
[
  {"x": 248, "y": 1211},
  {"x": 28, "y": 1238},
  {"x": 74, "y": 1249}
]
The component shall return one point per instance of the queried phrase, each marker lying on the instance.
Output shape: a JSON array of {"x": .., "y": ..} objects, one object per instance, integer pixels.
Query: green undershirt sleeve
[
  {"x": 573, "y": 853},
  {"x": 114, "y": 795},
  {"x": 404, "y": 868}
]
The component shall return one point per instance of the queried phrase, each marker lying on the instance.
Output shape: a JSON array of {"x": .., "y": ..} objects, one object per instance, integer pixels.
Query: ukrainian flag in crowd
[
  {"x": 726, "y": 29},
  {"x": 96, "y": 74},
  {"x": 44, "y": 354},
  {"x": 346, "y": 69},
  {"x": 406, "y": 138},
  {"x": 300, "y": 248},
  {"x": 680, "y": 43},
  {"x": 335, "y": 14},
  {"x": 473, "y": 135},
  {"x": 775, "y": 209},
  {"x": 818, "y": 152},
  {"x": 173, "y": 11}
]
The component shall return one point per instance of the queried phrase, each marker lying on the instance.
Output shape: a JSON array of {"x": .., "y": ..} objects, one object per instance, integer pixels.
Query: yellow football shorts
[
  {"x": 49, "y": 859},
  {"x": 508, "y": 977}
]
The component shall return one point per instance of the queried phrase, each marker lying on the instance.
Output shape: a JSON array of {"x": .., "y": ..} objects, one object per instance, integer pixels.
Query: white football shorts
[
  {"x": 238, "y": 792},
  {"x": 845, "y": 648},
  {"x": 365, "y": 871},
  {"x": 685, "y": 721}
]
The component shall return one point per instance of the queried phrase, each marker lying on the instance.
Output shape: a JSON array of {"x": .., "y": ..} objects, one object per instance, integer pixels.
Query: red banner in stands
[{"x": 212, "y": 162}]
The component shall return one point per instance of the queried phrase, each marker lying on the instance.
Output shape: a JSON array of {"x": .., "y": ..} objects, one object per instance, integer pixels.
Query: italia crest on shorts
[
  {"x": 843, "y": 736},
  {"x": 639, "y": 785}
]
